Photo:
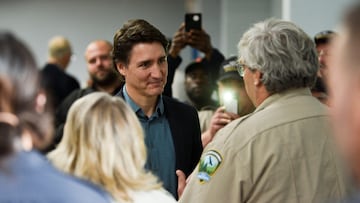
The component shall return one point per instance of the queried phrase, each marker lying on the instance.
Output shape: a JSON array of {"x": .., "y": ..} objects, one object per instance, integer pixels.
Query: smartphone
[
  {"x": 231, "y": 105},
  {"x": 192, "y": 21},
  {"x": 230, "y": 102}
]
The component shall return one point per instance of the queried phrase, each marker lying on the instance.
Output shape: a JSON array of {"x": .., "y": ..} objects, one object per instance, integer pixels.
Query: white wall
[
  {"x": 276, "y": 8},
  {"x": 237, "y": 17},
  {"x": 82, "y": 21},
  {"x": 317, "y": 15}
]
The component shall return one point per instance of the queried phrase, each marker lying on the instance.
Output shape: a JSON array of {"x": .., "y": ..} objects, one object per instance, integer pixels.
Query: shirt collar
[
  {"x": 159, "y": 106},
  {"x": 283, "y": 95}
]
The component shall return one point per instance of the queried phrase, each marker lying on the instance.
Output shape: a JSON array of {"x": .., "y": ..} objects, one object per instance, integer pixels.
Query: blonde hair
[
  {"x": 59, "y": 47},
  {"x": 104, "y": 142}
]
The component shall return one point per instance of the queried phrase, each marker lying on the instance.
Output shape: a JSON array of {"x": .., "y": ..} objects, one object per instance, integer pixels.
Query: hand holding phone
[{"x": 192, "y": 21}]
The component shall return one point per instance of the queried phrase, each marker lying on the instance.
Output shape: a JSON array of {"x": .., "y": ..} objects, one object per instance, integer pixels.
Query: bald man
[
  {"x": 57, "y": 83},
  {"x": 103, "y": 78}
]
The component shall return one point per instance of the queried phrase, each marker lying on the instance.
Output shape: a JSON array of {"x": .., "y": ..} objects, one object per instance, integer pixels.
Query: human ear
[
  {"x": 121, "y": 68},
  {"x": 257, "y": 76}
]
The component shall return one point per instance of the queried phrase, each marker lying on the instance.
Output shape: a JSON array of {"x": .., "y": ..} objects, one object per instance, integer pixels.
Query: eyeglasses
[{"x": 240, "y": 67}]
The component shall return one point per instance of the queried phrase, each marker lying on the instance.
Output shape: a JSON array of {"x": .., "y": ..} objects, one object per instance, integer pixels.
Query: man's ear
[
  {"x": 121, "y": 68},
  {"x": 257, "y": 76}
]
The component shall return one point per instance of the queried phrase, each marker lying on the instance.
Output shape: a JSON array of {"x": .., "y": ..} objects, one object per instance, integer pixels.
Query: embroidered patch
[{"x": 209, "y": 163}]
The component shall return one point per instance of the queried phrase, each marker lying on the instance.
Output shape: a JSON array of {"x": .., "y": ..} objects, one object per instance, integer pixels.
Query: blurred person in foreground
[
  {"x": 282, "y": 152},
  {"x": 25, "y": 127},
  {"x": 172, "y": 130},
  {"x": 344, "y": 85},
  {"x": 104, "y": 143}
]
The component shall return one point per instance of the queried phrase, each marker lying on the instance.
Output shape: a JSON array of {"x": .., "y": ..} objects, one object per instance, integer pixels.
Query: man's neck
[
  {"x": 200, "y": 104},
  {"x": 57, "y": 63},
  {"x": 146, "y": 103},
  {"x": 261, "y": 95}
]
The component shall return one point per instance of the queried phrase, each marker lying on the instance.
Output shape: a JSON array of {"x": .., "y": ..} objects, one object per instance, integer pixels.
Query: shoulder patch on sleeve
[{"x": 208, "y": 165}]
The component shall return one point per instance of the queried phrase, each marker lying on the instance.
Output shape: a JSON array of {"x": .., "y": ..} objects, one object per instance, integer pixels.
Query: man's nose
[
  {"x": 156, "y": 71},
  {"x": 98, "y": 62}
]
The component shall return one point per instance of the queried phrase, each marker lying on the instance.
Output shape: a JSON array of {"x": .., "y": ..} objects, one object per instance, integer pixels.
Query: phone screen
[
  {"x": 192, "y": 21},
  {"x": 230, "y": 101},
  {"x": 231, "y": 105}
]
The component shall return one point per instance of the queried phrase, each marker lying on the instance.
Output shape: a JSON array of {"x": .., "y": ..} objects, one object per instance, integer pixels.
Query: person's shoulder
[
  {"x": 176, "y": 103},
  {"x": 77, "y": 189},
  {"x": 71, "y": 79},
  {"x": 85, "y": 187},
  {"x": 180, "y": 109},
  {"x": 52, "y": 184},
  {"x": 49, "y": 69}
]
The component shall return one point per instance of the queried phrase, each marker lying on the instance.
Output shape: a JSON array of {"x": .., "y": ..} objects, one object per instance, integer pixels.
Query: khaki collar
[{"x": 283, "y": 96}]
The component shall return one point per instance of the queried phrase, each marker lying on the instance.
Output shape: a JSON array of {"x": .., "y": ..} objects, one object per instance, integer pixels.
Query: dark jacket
[
  {"x": 64, "y": 107},
  {"x": 185, "y": 130},
  {"x": 57, "y": 83}
]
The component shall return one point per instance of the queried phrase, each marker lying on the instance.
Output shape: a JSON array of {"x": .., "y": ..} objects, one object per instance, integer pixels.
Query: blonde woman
[{"x": 103, "y": 142}]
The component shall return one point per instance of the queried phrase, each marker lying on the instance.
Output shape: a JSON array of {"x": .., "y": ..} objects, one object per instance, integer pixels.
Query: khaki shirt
[
  {"x": 205, "y": 119},
  {"x": 281, "y": 153}
]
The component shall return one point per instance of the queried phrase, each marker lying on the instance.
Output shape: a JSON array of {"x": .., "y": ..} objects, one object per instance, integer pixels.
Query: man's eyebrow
[
  {"x": 144, "y": 61},
  {"x": 163, "y": 57}
]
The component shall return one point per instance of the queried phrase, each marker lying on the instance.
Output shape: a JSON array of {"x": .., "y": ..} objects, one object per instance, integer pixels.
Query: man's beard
[
  {"x": 202, "y": 97},
  {"x": 108, "y": 80}
]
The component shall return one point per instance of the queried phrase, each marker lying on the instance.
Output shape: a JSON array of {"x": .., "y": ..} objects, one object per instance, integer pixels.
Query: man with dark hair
[
  {"x": 199, "y": 86},
  {"x": 200, "y": 41},
  {"x": 322, "y": 41},
  {"x": 172, "y": 128}
]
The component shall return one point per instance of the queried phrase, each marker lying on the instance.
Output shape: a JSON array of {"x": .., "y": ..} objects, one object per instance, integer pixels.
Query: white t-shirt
[{"x": 152, "y": 196}]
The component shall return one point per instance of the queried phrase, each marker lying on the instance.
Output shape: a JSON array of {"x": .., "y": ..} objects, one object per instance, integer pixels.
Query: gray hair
[{"x": 282, "y": 52}]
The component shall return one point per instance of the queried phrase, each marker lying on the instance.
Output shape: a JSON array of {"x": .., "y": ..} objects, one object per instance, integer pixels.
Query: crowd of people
[{"x": 279, "y": 122}]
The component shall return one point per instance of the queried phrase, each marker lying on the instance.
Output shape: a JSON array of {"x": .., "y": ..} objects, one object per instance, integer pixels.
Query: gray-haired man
[{"x": 282, "y": 152}]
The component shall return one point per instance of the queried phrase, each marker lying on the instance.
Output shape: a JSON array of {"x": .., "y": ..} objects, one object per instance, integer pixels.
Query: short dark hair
[
  {"x": 134, "y": 32},
  {"x": 194, "y": 66},
  {"x": 324, "y": 37}
]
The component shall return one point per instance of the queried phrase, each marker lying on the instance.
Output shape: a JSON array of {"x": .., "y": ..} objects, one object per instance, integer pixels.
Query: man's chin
[{"x": 156, "y": 91}]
